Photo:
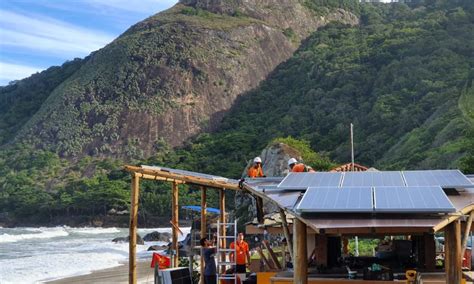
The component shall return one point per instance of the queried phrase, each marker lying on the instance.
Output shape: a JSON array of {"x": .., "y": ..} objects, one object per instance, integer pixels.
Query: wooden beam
[
  {"x": 132, "y": 249},
  {"x": 466, "y": 233},
  {"x": 215, "y": 183},
  {"x": 452, "y": 262},
  {"x": 264, "y": 258},
  {"x": 222, "y": 219},
  {"x": 174, "y": 220},
  {"x": 203, "y": 226},
  {"x": 286, "y": 232},
  {"x": 272, "y": 254},
  {"x": 300, "y": 262}
]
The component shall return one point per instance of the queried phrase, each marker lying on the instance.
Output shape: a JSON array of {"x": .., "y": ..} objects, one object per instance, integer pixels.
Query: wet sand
[{"x": 117, "y": 274}]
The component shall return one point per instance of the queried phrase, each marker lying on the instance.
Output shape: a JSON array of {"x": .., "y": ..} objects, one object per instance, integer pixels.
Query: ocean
[{"x": 35, "y": 255}]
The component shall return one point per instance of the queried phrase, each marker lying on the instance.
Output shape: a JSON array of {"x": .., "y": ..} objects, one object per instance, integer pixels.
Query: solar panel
[
  {"x": 299, "y": 181},
  {"x": 372, "y": 179},
  {"x": 285, "y": 199},
  {"x": 443, "y": 178},
  {"x": 334, "y": 199},
  {"x": 430, "y": 199}
]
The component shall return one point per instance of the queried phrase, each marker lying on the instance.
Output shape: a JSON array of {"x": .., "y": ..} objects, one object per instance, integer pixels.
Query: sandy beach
[{"x": 117, "y": 274}]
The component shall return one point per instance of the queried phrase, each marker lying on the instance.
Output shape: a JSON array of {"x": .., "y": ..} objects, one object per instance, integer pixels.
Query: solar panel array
[
  {"x": 375, "y": 199},
  {"x": 412, "y": 199},
  {"x": 443, "y": 178}
]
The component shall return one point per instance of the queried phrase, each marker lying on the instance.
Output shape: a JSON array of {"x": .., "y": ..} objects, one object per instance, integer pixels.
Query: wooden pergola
[{"x": 175, "y": 177}]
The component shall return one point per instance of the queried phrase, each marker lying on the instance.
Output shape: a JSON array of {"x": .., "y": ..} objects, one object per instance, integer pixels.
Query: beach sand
[{"x": 117, "y": 274}]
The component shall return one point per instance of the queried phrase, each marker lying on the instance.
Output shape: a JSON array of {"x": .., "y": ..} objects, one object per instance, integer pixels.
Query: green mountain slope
[
  {"x": 403, "y": 77},
  {"x": 398, "y": 77},
  {"x": 169, "y": 77}
]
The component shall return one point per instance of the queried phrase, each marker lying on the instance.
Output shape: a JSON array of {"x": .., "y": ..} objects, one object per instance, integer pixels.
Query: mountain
[
  {"x": 169, "y": 77},
  {"x": 208, "y": 84}
]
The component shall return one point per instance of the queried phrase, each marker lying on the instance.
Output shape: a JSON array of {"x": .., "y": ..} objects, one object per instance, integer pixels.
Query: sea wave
[
  {"x": 38, "y": 234},
  {"x": 48, "y": 267},
  {"x": 94, "y": 231}
]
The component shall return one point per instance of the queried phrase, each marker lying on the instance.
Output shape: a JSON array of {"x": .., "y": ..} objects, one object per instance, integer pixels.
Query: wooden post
[
  {"x": 452, "y": 264},
  {"x": 466, "y": 233},
  {"x": 430, "y": 251},
  {"x": 321, "y": 255},
  {"x": 175, "y": 221},
  {"x": 286, "y": 232},
  {"x": 203, "y": 226},
  {"x": 132, "y": 249},
  {"x": 222, "y": 219},
  {"x": 300, "y": 262}
]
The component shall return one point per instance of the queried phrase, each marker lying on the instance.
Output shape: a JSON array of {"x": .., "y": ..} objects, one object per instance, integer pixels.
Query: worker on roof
[
  {"x": 256, "y": 171},
  {"x": 296, "y": 167}
]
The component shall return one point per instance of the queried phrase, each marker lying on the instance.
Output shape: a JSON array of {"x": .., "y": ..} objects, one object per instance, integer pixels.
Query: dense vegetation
[{"x": 403, "y": 78}]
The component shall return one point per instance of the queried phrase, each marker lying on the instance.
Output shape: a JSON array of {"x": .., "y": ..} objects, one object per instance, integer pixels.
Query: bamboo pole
[
  {"x": 286, "y": 232},
  {"x": 452, "y": 238},
  {"x": 265, "y": 259},
  {"x": 152, "y": 173},
  {"x": 132, "y": 249},
  {"x": 175, "y": 222},
  {"x": 203, "y": 227},
  {"x": 466, "y": 233},
  {"x": 222, "y": 219},
  {"x": 300, "y": 262}
]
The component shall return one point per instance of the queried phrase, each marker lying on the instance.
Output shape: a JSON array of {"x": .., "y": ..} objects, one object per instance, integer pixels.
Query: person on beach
[
  {"x": 208, "y": 253},
  {"x": 243, "y": 254}
]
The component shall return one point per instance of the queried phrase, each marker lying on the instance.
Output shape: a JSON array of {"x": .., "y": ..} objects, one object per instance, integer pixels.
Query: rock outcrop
[
  {"x": 157, "y": 237},
  {"x": 275, "y": 163}
]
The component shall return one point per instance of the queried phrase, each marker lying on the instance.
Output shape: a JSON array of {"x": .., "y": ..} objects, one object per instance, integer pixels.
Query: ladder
[{"x": 223, "y": 253}]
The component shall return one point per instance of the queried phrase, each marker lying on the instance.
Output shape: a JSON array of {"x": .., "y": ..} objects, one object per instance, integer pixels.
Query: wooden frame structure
[
  {"x": 451, "y": 224},
  {"x": 175, "y": 178}
]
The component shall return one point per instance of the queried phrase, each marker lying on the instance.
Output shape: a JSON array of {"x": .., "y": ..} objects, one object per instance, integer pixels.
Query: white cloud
[
  {"x": 142, "y": 6},
  {"x": 10, "y": 72},
  {"x": 39, "y": 33}
]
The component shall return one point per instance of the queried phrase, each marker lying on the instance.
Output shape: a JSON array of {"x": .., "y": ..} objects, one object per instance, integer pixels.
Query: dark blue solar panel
[
  {"x": 412, "y": 199},
  {"x": 372, "y": 179},
  {"x": 305, "y": 180},
  {"x": 443, "y": 178},
  {"x": 334, "y": 199}
]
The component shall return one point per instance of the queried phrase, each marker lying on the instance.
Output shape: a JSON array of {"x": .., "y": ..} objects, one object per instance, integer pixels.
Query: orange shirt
[
  {"x": 255, "y": 172},
  {"x": 241, "y": 249},
  {"x": 300, "y": 168}
]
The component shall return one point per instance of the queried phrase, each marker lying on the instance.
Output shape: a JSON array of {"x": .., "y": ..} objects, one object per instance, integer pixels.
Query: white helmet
[
  {"x": 257, "y": 160},
  {"x": 292, "y": 161}
]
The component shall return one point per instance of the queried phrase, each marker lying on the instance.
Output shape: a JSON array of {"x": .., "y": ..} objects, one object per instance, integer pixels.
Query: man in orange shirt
[
  {"x": 256, "y": 171},
  {"x": 243, "y": 254},
  {"x": 296, "y": 167}
]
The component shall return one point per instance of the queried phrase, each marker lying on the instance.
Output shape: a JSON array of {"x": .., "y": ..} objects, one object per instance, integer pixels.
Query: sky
[{"x": 37, "y": 34}]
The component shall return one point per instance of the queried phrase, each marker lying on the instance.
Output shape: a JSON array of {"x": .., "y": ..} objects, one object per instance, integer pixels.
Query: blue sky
[{"x": 37, "y": 34}]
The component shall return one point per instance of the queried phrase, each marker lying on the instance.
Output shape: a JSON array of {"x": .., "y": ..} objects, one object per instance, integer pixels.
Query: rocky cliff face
[{"x": 171, "y": 76}]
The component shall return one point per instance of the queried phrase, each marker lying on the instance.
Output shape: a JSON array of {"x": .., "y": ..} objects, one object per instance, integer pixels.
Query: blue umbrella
[{"x": 198, "y": 209}]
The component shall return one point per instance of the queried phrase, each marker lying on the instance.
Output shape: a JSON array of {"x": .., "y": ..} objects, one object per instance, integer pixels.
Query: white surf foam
[
  {"x": 38, "y": 234},
  {"x": 94, "y": 231}
]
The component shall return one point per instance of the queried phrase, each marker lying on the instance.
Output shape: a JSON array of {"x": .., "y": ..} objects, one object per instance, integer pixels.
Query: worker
[
  {"x": 243, "y": 255},
  {"x": 296, "y": 167},
  {"x": 256, "y": 171},
  {"x": 209, "y": 262}
]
